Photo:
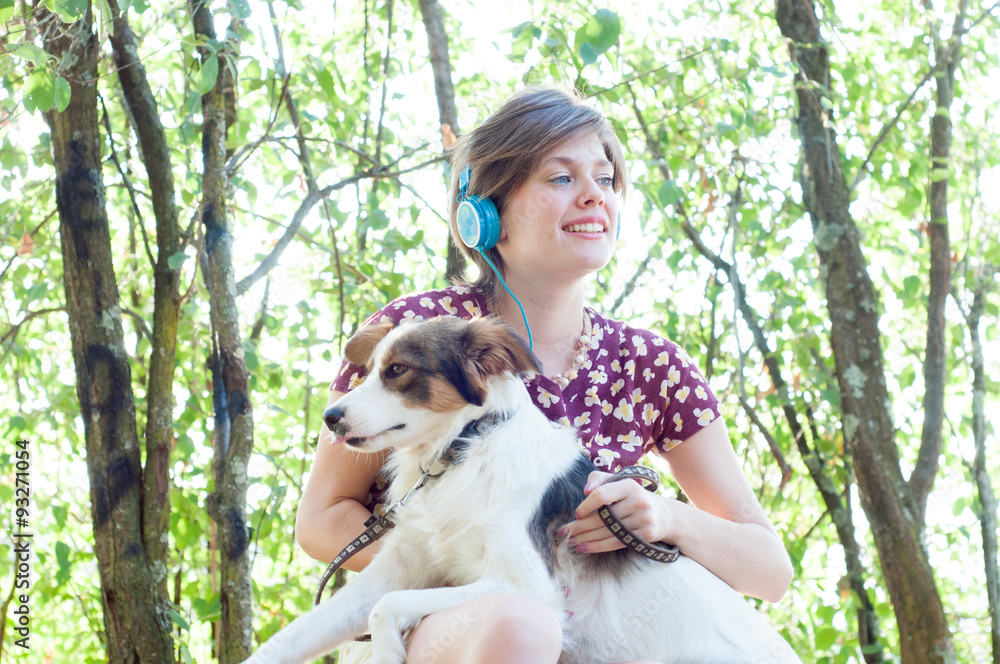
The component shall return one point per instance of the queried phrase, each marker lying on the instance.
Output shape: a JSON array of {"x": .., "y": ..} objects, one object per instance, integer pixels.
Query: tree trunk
[
  {"x": 935, "y": 371},
  {"x": 233, "y": 435},
  {"x": 437, "y": 45},
  {"x": 155, "y": 152},
  {"x": 853, "y": 306},
  {"x": 137, "y": 626},
  {"x": 980, "y": 473},
  {"x": 869, "y": 632}
]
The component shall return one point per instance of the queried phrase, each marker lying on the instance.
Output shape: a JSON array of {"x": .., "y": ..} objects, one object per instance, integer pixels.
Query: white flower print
[
  {"x": 591, "y": 397},
  {"x": 662, "y": 359},
  {"x": 630, "y": 441},
  {"x": 617, "y": 386},
  {"x": 658, "y": 341},
  {"x": 638, "y": 396},
  {"x": 630, "y": 369},
  {"x": 597, "y": 376},
  {"x": 606, "y": 458},
  {"x": 701, "y": 393},
  {"x": 649, "y": 414},
  {"x": 606, "y": 407},
  {"x": 705, "y": 417},
  {"x": 426, "y": 302},
  {"x": 682, "y": 394},
  {"x": 410, "y": 315},
  {"x": 602, "y": 440},
  {"x": 583, "y": 418},
  {"x": 624, "y": 411},
  {"x": 673, "y": 376},
  {"x": 472, "y": 308},
  {"x": 616, "y": 366},
  {"x": 546, "y": 398},
  {"x": 678, "y": 422},
  {"x": 448, "y": 306},
  {"x": 684, "y": 357},
  {"x": 647, "y": 374},
  {"x": 564, "y": 421},
  {"x": 640, "y": 345}
]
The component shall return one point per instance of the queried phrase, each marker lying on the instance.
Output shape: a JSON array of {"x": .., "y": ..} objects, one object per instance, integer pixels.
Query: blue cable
[{"x": 525, "y": 317}]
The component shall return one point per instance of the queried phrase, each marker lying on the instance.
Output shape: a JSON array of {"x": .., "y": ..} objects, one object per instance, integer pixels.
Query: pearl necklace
[{"x": 579, "y": 355}]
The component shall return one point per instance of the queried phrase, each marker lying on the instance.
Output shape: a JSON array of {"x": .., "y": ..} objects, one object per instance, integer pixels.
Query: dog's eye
[{"x": 396, "y": 370}]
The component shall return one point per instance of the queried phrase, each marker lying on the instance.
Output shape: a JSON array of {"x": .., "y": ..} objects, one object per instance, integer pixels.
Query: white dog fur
[{"x": 487, "y": 524}]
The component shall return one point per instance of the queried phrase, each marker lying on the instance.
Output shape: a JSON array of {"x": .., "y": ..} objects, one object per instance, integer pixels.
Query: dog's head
[{"x": 420, "y": 375}]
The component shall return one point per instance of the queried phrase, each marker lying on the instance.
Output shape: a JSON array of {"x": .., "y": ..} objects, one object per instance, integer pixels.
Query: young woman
[{"x": 555, "y": 171}]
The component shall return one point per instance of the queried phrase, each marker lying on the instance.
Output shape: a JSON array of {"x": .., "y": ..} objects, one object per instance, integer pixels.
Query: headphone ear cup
[{"x": 478, "y": 223}]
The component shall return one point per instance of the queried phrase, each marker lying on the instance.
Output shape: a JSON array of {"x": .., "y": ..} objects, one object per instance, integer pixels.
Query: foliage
[{"x": 714, "y": 87}]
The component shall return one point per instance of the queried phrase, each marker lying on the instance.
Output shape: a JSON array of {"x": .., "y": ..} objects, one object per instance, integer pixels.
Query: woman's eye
[
  {"x": 396, "y": 370},
  {"x": 561, "y": 179},
  {"x": 606, "y": 181}
]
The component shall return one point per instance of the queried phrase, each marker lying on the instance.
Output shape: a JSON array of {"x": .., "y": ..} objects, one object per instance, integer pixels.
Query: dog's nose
[{"x": 332, "y": 417}]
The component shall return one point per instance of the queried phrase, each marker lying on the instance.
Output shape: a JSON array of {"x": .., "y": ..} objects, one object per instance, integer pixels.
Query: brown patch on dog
[
  {"x": 360, "y": 347},
  {"x": 444, "y": 363}
]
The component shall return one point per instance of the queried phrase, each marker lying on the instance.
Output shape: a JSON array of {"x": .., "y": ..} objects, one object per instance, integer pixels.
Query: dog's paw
[{"x": 387, "y": 628}]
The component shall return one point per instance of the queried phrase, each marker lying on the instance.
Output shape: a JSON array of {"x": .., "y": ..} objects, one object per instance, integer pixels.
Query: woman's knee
[{"x": 489, "y": 630}]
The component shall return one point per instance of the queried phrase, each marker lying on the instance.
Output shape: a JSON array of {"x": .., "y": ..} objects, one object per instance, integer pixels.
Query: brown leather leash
[{"x": 659, "y": 551}]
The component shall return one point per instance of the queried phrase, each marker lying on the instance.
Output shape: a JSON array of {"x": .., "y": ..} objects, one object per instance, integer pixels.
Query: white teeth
[{"x": 585, "y": 228}]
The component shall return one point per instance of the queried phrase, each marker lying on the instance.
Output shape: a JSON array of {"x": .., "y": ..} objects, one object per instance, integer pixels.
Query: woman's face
[{"x": 563, "y": 220}]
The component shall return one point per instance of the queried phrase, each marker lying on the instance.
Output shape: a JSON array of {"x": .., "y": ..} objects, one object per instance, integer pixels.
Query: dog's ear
[
  {"x": 493, "y": 349},
  {"x": 360, "y": 347}
]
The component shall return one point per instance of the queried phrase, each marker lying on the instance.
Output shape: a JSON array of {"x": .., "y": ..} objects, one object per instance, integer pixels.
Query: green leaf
[
  {"x": 178, "y": 620},
  {"x": 599, "y": 34},
  {"x": 62, "y": 94},
  {"x": 207, "y": 75},
  {"x": 17, "y": 423},
  {"x": 669, "y": 193},
  {"x": 31, "y": 53},
  {"x": 325, "y": 80},
  {"x": 39, "y": 91},
  {"x": 59, "y": 512},
  {"x": 6, "y": 10},
  {"x": 70, "y": 10},
  {"x": 177, "y": 260},
  {"x": 62, "y": 559},
  {"x": 239, "y": 8}
]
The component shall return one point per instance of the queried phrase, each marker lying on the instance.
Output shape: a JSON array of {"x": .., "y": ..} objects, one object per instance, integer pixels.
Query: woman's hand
[{"x": 646, "y": 514}]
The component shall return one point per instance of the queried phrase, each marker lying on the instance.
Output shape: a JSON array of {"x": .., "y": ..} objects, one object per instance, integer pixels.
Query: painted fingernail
[
  {"x": 581, "y": 548},
  {"x": 571, "y": 542},
  {"x": 561, "y": 533}
]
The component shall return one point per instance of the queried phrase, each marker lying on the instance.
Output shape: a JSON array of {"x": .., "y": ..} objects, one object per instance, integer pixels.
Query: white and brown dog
[{"x": 444, "y": 396}]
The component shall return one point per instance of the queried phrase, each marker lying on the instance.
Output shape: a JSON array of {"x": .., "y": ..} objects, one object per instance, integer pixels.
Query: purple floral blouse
[{"x": 635, "y": 392}]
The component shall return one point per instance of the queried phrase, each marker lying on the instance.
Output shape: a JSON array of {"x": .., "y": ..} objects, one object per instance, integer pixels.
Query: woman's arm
[
  {"x": 332, "y": 511},
  {"x": 724, "y": 528}
]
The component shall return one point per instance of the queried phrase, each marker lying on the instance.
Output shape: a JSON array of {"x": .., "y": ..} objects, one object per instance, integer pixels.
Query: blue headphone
[{"x": 477, "y": 217}]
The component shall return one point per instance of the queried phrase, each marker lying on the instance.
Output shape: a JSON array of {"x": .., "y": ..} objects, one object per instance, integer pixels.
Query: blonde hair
[{"x": 504, "y": 151}]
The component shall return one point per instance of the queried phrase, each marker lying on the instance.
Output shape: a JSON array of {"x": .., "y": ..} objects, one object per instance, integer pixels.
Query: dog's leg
[
  {"x": 337, "y": 620},
  {"x": 401, "y": 610}
]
